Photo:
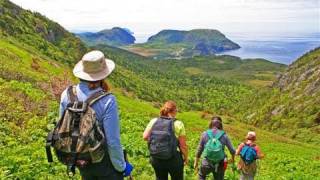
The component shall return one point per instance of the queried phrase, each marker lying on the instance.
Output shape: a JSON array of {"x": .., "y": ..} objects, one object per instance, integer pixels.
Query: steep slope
[
  {"x": 32, "y": 76},
  {"x": 38, "y": 32},
  {"x": 30, "y": 85},
  {"x": 29, "y": 102},
  {"x": 177, "y": 44},
  {"x": 292, "y": 106},
  {"x": 113, "y": 37}
]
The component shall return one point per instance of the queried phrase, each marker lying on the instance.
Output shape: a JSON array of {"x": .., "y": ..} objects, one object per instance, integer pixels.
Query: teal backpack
[
  {"x": 248, "y": 154},
  {"x": 213, "y": 149}
]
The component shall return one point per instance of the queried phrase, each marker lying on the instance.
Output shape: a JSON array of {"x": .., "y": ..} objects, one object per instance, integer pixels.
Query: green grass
[
  {"x": 156, "y": 81},
  {"x": 32, "y": 66},
  {"x": 22, "y": 139},
  {"x": 280, "y": 161},
  {"x": 31, "y": 80}
]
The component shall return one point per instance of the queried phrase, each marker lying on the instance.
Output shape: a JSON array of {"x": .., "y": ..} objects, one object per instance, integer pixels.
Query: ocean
[{"x": 281, "y": 49}]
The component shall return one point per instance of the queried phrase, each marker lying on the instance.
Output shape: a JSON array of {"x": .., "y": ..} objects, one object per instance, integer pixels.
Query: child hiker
[{"x": 249, "y": 152}]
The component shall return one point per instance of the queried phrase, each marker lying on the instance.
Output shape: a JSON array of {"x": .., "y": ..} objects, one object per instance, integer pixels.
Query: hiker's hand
[{"x": 127, "y": 171}]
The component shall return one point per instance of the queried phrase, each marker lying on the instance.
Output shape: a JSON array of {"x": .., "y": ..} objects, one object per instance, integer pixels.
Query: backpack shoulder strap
[
  {"x": 96, "y": 96},
  {"x": 172, "y": 126},
  {"x": 249, "y": 145},
  {"x": 72, "y": 94},
  {"x": 155, "y": 122},
  {"x": 210, "y": 134},
  {"x": 219, "y": 134},
  {"x": 253, "y": 145}
]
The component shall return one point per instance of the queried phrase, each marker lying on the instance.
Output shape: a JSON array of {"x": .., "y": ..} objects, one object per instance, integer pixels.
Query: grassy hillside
[
  {"x": 156, "y": 82},
  {"x": 38, "y": 32},
  {"x": 32, "y": 78},
  {"x": 29, "y": 104},
  {"x": 27, "y": 95},
  {"x": 22, "y": 140},
  {"x": 254, "y": 72},
  {"x": 292, "y": 105},
  {"x": 280, "y": 162}
]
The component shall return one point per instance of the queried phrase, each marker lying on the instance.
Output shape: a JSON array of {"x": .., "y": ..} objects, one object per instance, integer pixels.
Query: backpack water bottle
[{"x": 225, "y": 164}]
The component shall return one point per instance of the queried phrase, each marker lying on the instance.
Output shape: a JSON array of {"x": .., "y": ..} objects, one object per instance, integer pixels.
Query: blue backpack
[{"x": 248, "y": 154}]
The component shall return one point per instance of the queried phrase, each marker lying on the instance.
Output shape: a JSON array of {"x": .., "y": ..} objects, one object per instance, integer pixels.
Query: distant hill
[
  {"x": 255, "y": 72},
  {"x": 292, "y": 106},
  {"x": 113, "y": 37},
  {"x": 36, "y": 30},
  {"x": 178, "y": 44}
]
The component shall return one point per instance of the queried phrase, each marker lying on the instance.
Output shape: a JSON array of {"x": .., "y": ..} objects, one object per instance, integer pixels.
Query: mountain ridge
[
  {"x": 180, "y": 43},
  {"x": 113, "y": 37}
]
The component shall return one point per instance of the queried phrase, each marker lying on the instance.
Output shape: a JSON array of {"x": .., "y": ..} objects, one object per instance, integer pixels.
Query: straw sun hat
[{"x": 93, "y": 66}]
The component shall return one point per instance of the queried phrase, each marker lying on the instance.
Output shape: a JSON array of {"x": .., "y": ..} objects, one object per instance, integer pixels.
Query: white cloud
[{"x": 149, "y": 15}]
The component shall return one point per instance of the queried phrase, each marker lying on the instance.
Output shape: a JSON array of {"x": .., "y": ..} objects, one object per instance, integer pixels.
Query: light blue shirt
[{"x": 107, "y": 114}]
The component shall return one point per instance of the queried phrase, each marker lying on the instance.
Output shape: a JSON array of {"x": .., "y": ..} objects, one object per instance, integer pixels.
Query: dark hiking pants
[
  {"x": 101, "y": 171},
  {"x": 173, "y": 166},
  {"x": 207, "y": 167},
  {"x": 113, "y": 176}
]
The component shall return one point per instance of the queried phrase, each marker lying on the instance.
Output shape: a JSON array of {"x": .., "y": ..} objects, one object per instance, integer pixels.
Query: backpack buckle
[{"x": 79, "y": 107}]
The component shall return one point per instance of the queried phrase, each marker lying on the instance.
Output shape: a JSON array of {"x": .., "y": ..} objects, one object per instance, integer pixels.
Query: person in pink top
[{"x": 248, "y": 171}]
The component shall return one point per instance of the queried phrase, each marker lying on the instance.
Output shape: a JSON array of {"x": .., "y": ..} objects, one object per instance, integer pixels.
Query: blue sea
[{"x": 282, "y": 49}]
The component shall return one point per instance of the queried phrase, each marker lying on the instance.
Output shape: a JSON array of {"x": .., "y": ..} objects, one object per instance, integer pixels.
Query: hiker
[
  {"x": 211, "y": 147},
  {"x": 166, "y": 138},
  {"x": 219, "y": 125},
  {"x": 92, "y": 69},
  {"x": 248, "y": 152}
]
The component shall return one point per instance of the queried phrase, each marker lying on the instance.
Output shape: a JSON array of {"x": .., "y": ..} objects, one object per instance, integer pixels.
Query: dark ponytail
[{"x": 216, "y": 122}]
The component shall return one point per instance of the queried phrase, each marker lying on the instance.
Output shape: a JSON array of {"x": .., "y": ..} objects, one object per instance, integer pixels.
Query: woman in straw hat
[{"x": 92, "y": 69}]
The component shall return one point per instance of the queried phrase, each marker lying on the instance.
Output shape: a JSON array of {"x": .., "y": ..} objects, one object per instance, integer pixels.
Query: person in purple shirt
[
  {"x": 207, "y": 166},
  {"x": 92, "y": 69}
]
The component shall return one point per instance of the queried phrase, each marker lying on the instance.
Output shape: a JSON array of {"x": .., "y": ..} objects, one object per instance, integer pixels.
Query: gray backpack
[
  {"x": 163, "y": 142},
  {"x": 78, "y": 139}
]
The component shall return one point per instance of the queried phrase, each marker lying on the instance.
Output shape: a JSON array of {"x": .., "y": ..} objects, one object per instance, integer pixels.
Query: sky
[{"x": 147, "y": 17}]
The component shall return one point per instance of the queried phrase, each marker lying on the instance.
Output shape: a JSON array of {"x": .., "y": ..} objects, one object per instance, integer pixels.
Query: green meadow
[{"x": 36, "y": 67}]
